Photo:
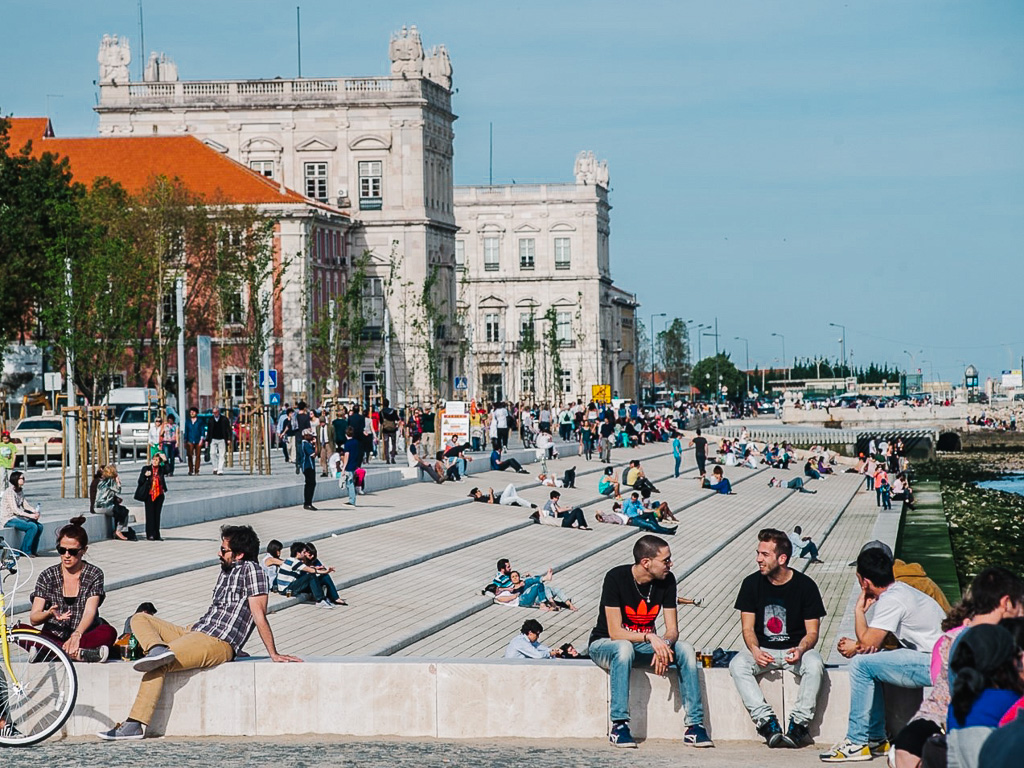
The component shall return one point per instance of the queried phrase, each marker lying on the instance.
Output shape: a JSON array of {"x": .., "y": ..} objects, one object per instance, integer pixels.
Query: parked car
[
  {"x": 133, "y": 430},
  {"x": 38, "y": 438}
]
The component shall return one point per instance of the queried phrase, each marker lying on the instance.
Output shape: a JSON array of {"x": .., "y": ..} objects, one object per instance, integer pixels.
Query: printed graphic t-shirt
[
  {"x": 780, "y": 611},
  {"x": 639, "y": 606}
]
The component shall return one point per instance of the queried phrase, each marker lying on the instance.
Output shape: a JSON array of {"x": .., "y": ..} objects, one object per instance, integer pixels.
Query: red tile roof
[{"x": 133, "y": 161}]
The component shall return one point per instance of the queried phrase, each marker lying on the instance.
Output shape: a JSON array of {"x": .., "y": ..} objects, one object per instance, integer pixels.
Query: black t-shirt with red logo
[
  {"x": 639, "y": 605},
  {"x": 780, "y": 611}
]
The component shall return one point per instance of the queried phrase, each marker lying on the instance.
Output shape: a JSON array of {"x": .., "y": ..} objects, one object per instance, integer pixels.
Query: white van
[{"x": 126, "y": 397}]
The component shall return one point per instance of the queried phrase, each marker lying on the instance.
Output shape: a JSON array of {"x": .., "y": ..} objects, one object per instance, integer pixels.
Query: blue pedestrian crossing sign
[
  {"x": 461, "y": 382},
  {"x": 272, "y": 378},
  {"x": 275, "y": 399}
]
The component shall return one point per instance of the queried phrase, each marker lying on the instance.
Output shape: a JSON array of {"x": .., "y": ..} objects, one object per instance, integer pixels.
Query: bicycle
[{"x": 38, "y": 684}]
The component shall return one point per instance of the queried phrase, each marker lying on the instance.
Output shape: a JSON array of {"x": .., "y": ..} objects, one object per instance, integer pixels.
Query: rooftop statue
[
  {"x": 114, "y": 57},
  {"x": 160, "y": 69},
  {"x": 406, "y": 52},
  {"x": 438, "y": 67}
]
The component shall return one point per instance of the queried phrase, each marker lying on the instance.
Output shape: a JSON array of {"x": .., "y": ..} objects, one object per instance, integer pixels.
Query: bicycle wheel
[{"x": 40, "y": 701}]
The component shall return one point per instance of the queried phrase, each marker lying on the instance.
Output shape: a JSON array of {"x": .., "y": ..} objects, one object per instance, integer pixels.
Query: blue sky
[{"x": 778, "y": 165}]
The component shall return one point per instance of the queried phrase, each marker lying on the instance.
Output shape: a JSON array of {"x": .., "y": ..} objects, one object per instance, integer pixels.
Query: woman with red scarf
[{"x": 151, "y": 492}]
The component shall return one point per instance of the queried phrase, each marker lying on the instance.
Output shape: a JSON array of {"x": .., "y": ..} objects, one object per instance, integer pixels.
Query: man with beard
[
  {"x": 780, "y": 611},
  {"x": 239, "y": 603},
  {"x": 632, "y": 598}
]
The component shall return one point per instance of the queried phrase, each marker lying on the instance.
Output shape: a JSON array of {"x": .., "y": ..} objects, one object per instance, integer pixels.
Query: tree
[
  {"x": 674, "y": 348},
  {"x": 706, "y": 375},
  {"x": 554, "y": 349}
]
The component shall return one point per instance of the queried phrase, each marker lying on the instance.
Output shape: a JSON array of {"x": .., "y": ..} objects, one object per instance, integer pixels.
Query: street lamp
[
  {"x": 843, "y": 327},
  {"x": 784, "y": 358},
  {"x": 700, "y": 355},
  {"x": 659, "y": 314},
  {"x": 746, "y": 344}
]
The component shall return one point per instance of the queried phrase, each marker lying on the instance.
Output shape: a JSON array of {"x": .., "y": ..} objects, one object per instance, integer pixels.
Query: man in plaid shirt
[{"x": 239, "y": 603}]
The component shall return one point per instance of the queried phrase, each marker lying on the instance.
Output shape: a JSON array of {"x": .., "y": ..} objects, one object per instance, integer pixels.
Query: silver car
[{"x": 133, "y": 430}]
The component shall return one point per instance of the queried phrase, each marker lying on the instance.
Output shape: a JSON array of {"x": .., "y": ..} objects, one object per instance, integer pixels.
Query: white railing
[{"x": 280, "y": 91}]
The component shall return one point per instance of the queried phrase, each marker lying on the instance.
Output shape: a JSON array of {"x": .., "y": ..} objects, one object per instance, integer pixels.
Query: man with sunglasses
[
  {"x": 632, "y": 598},
  {"x": 239, "y": 604}
]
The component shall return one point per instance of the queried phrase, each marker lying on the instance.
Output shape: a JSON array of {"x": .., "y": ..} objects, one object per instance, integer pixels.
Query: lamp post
[
  {"x": 784, "y": 358},
  {"x": 658, "y": 314},
  {"x": 746, "y": 345},
  {"x": 717, "y": 374},
  {"x": 843, "y": 342},
  {"x": 700, "y": 355},
  {"x": 689, "y": 359}
]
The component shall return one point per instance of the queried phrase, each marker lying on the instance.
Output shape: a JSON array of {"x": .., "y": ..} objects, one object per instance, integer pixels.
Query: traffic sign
[
  {"x": 461, "y": 382},
  {"x": 601, "y": 393},
  {"x": 275, "y": 399},
  {"x": 53, "y": 382},
  {"x": 273, "y": 378}
]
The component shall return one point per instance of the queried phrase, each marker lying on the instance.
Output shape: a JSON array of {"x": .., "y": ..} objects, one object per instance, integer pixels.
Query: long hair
[{"x": 985, "y": 657}]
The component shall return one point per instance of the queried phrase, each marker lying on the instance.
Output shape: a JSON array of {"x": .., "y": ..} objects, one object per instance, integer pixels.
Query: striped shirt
[
  {"x": 287, "y": 573},
  {"x": 229, "y": 617}
]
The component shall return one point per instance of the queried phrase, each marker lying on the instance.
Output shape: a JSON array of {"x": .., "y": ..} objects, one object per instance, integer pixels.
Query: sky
[{"x": 775, "y": 166}]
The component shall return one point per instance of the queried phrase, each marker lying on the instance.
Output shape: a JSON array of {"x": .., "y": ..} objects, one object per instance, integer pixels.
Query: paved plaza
[{"x": 400, "y": 753}]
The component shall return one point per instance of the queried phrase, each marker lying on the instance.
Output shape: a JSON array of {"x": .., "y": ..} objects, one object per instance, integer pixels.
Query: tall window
[
  {"x": 373, "y": 302},
  {"x": 492, "y": 327},
  {"x": 263, "y": 167},
  {"x": 566, "y": 381},
  {"x": 564, "y": 328},
  {"x": 168, "y": 309},
  {"x": 527, "y": 380},
  {"x": 460, "y": 254},
  {"x": 491, "y": 254},
  {"x": 316, "y": 181},
  {"x": 371, "y": 174},
  {"x": 527, "y": 252},
  {"x": 234, "y": 310},
  {"x": 562, "y": 253},
  {"x": 234, "y": 384},
  {"x": 527, "y": 329}
]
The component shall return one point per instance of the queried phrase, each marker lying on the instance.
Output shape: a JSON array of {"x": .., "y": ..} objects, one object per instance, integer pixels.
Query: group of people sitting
[
  {"x": 509, "y": 587},
  {"x": 300, "y": 573}
]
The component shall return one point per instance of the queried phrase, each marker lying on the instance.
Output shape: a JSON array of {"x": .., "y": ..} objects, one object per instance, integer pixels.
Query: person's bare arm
[
  {"x": 258, "y": 607},
  {"x": 761, "y": 657},
  {"x": 869, "y": 639},
  {"x": 811, "y": 627}
]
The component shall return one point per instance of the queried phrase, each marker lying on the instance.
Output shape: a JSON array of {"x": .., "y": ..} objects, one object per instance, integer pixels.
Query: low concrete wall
[
  {"x": 901, "y": 417},
  {"x": 427, "y": 698}
]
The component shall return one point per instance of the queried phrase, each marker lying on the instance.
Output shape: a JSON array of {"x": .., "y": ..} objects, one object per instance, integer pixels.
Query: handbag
[{"x": 142, "y": 492}]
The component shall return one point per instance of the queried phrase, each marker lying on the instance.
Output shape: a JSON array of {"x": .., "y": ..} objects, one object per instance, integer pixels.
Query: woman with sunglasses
[
  {"x": 17, "y": 513},
  {"x": 66, "y": 600}
]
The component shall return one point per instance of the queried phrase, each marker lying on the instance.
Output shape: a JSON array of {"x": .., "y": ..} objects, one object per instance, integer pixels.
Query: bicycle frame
[{"x": 6, "y": 558}]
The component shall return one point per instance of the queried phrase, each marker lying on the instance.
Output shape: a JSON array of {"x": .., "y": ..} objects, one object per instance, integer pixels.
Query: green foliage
[
  {"x": 554, "y": 348},
  {"x": 705, "y": 375},
  {"x": 674, "y": 350}
]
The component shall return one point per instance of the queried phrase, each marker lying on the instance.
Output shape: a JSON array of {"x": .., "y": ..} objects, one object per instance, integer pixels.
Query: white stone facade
[
  {"x": 379, "y": 146},
  {"x": 541, "y": 252}
]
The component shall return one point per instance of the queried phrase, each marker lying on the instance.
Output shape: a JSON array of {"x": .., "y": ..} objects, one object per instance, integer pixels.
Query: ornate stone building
[
  {"x": 543, "y": 319},
  {"x": 380, "y": 147}
]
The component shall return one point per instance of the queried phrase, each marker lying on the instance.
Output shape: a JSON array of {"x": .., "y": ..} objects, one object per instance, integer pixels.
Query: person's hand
[
  {"x": 662, "y": 653},
  {"x": 864, "y": 601},
  {"x": 793, "y": 655},
  {"x": 763, "y": 658},
  {"x": 556, "y": 653},
  {"x": 70, "y": 645},
  {"x": 284, "y": 659},
  {"x": 58, "y": 616},
  {"x": 330, "y": 569},
  {"x": 847, "y": 647}
]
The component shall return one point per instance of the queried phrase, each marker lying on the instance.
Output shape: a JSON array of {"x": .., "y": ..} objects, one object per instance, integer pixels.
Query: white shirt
[
  {"x": 910, "y": 614},
  {"x": 798, "y": 543},
  {"x": 501, "y": 417}
]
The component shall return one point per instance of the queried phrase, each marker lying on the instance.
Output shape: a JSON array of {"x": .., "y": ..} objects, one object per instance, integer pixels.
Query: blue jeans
[
  {"x": 903, "y": 668},
  {"x": 350, "y": 486},
  {"x": 321, "y": 586},
  {"x": 869, "y": 483},
  {"x": 620, "y": 656},
  {"x": 745, "y": 671},
  {"x": 679, "y": 462},
  {"x": 31, "y": 531},
  {"x": 533, "y": 593}
]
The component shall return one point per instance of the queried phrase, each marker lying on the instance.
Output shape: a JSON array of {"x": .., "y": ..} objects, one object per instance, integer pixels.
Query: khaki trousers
[{"x": 192, "y": 650}]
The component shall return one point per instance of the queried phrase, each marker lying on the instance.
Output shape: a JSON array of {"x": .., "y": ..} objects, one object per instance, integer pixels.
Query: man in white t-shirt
[
  {"x": 500, "y": 416},
  {"x": 916, "y": 621}
]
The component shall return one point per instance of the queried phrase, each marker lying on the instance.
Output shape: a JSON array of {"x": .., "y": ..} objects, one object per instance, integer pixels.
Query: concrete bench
[{"x": 431, "y": 698}]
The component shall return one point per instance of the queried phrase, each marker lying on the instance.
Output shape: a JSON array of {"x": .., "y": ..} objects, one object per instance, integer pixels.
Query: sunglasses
[
  {"x": 73, "y": 551},
  {"x": 224, "y": 551}
]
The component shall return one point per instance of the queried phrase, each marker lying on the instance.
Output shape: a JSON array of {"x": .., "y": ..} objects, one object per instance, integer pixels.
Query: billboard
[{"x": 1012, "y": 379}]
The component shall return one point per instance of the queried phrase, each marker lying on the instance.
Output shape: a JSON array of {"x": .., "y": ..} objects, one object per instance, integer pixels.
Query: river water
[{"x": 1010, "y": 483}]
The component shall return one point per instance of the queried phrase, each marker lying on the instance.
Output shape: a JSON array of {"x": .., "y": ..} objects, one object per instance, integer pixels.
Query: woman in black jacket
[{"x": 151, "y": 492}]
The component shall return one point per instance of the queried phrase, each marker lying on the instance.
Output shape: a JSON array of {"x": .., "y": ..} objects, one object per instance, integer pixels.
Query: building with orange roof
[{"x": 312, "y": 240}]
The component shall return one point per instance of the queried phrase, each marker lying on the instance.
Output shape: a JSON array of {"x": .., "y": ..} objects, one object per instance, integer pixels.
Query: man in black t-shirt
[
  {"x": 700, "y": 452},
  {"x": 780, "y": 610},
  {"x": 632, "y": 598},
  {"x": 607, "y": 436}
]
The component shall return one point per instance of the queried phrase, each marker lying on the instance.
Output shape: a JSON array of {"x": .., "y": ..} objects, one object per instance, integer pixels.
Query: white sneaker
[{"x": 325, "y": 604}]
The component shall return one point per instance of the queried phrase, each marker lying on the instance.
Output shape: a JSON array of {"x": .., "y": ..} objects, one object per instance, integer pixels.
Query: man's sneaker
[
  {"x": 94, "y": 655},
  {"x": 8, "y": 731},
  {"x": 325, "y": 604},
  {"x": 158, "y": 656},
  {"x": 878, "y": 748},
  {"x": 621, "y": 737},
  {"x": 696, "y": 736},
  {"x": 130, "y": 730},
  {"x": 846, "y": 752},
  {"x": 797, "y": 734},
  {"x": 771, "y": 732}
]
